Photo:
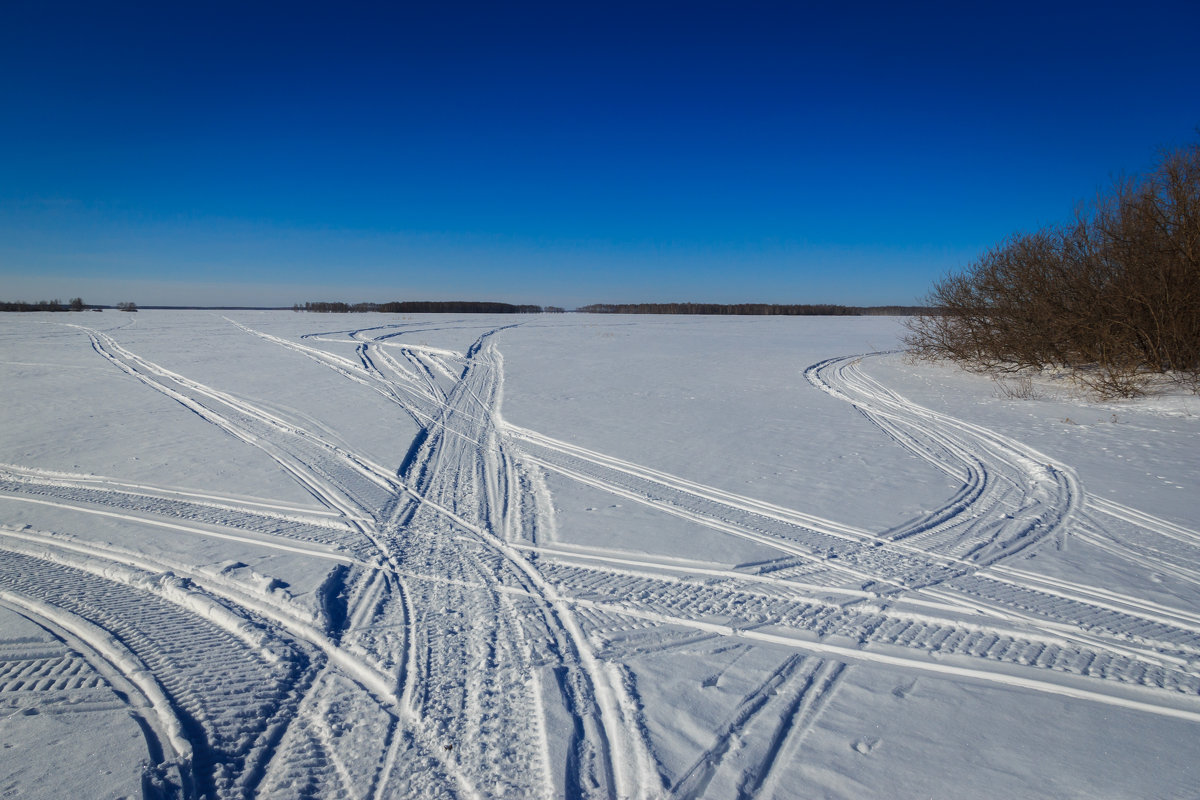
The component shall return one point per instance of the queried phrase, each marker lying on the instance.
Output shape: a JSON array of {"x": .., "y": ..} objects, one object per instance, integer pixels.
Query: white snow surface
[{"x": 269, "y": 554}]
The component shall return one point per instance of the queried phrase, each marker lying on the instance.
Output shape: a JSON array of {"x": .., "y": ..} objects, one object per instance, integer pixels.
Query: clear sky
[{"x": 562, "y": 153}]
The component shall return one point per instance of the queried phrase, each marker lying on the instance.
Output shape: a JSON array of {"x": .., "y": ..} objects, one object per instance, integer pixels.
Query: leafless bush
[
  {"x": 1113, "y": 297},
  {"x": 1020, "y": 388},
  {"x": 1112, "y": 383}
]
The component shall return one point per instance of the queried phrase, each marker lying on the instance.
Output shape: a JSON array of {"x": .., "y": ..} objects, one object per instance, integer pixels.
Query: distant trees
[
  {"x": 757, "y": 309},
  {"x": 127, "y": 306},
  {"x": 1113, "y": 297},
  {"x": 422, "y": 307},
  {"x": 456, "y": 307},
  {"x": 40, "y": 305},
  {"x": 327, "y": 308},
  {"x": 74, "y": 304},
  {"x": 477, "y": 307}
]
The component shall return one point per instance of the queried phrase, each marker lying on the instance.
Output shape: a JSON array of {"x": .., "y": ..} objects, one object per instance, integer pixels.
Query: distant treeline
[
  {"x": 74, "y": 304},
  {"x": 479, "y": 307},
  {"x": 758, "y": 309},
  {"x": 425, "y": 307}
]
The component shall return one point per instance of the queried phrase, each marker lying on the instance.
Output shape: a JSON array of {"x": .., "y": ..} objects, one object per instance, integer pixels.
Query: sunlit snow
[{"x": 270, "y": 554}]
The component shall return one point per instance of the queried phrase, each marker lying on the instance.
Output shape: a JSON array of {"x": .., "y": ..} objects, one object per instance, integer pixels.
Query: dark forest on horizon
[
  {"x": 716, "y": 309},
  {"x": 484, "y": 307},
  {"x": 750, "y": 309}
]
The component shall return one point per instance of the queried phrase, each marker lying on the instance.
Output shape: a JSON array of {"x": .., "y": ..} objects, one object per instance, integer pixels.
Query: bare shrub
[
  {"x": 1110, "y": 383},
  {"x": 1021, "y": 388},
  {"x": 1114, "y": 297}
]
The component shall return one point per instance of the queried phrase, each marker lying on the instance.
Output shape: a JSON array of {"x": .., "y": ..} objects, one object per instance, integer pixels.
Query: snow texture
[{"x": 295, "y": 555}]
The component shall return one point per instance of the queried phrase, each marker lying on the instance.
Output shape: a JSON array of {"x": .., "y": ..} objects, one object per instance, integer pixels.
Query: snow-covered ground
[{"x": 298, "y": 555}]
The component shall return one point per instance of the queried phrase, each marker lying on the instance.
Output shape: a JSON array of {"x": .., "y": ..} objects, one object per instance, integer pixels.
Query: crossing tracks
[{"x": 457, "y": 648}]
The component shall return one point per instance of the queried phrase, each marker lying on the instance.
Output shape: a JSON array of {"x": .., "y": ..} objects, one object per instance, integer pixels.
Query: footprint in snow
[{"x": 866, "y": 745}]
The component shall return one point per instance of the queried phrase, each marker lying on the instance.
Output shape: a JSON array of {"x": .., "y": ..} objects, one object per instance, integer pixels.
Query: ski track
[{"x": 454, "y": 629}]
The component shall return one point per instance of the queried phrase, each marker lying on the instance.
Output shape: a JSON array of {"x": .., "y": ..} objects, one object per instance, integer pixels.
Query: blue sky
[{"x": 562, "y": 153}]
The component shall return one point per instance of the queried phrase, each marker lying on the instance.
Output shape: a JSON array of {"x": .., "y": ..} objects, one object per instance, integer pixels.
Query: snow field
[{"x": 375, "y": 556}]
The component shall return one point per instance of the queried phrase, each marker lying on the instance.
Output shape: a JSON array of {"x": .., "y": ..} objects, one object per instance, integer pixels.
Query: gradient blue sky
[{"x": 562, "y": 153}]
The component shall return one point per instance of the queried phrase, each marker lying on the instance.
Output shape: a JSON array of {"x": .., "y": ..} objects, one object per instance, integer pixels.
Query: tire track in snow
[
  {"x": 459, "y": 471},
  {"x": 799, "y": 719},
  {"x": 1000, "y": 606},
  {"x": 1141, "y": 538},
  {"x": 228, "y": 692},
  {"x": 778, "y": 698},
  {"x": 1099, "y": 633},
  {"x": 1051, "y": 504},
  {"x": 450, "y": 447},
  {"x": 263, "y": 541},
  {"x": 254, "y": 595},
  {"x": 358, "y": 489},
  {"x": 169, "y": 751},
  {"x": 269, "y": 508},
  {"x": 982, "y": 524},
  {"x": 1177, "y": 703},
  {"x": 1005, "y": 638},
  {"x": 255, "y": 523}
]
